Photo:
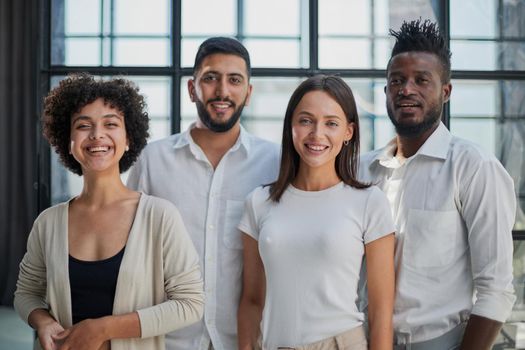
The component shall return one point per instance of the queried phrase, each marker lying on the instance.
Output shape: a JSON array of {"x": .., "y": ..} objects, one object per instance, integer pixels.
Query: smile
[
  {"x": 316, "y": 147},
  {"x": 98, "y": 149}
]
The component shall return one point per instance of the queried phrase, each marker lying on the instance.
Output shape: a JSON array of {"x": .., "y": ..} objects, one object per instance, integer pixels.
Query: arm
[
  {"x": 380, "y": 274},
  {"x": 480, "y": 334},
  {"x": 253, "y": 294},
  {"x": 488, "y": 208}
]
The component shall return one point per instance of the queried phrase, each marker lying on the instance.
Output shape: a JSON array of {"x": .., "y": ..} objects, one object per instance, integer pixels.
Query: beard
[
  {"x": 414, "y": 130},
  {"x": 216, "y": 126}
]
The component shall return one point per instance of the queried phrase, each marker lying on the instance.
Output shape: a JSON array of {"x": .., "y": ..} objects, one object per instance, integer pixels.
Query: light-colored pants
[
  {"x": 354, "y": 339},
  {"x": 448, "y": 341}
]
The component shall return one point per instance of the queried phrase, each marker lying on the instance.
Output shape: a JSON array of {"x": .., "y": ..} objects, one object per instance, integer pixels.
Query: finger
[{"x": 62, "y": 335}]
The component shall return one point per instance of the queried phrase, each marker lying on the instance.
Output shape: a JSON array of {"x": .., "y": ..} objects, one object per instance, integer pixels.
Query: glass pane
[
  {"x": 344, "y": 17},
  {"x": 285, "y": 53},
  {"x": 82, "y": 52},
  {"x": 142, "y": 52},
  {"x": 473, "y": 18},
  {"x": 156, "y": 90},
  {"x": 463, "y": 51},
  {"x": 272, "y": 17},
  {"x": 344, "y": 53},
  {"x": 474, "y": 99},
  {"x": 208, "y": 17},
  {"x": 82, "y": 16},
  {"x": 142, "y": 17},
  {"x": 189, "y": 49}
]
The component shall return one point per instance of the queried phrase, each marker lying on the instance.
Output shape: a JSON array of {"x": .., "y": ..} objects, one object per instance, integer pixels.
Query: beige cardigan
[{"x": 159, "y": 276}]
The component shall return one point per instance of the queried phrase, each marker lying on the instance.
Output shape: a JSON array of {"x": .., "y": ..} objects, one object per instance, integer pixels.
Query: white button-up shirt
[
  {"x": 211, "y": 204},
  {"x": 454, "y": 208}
]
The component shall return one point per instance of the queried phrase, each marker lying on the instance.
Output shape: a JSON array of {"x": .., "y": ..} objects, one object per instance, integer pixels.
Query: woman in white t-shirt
[{"x": 306, "y": 234}]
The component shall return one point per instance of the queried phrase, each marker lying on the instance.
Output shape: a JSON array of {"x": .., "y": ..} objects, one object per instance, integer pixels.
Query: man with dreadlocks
[{"x": 453, "y": 205}]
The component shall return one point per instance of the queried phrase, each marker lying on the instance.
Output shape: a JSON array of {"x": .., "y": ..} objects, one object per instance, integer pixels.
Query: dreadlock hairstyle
[{"x": 423, "y": 36}]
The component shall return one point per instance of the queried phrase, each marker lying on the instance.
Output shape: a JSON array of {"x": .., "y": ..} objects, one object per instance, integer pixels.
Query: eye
[
  {"x": 82, "y": 126},
  {"x": 236, "y": 80},
  {"x": 209, "y": 78},
  {"x": 394, "y": 81},
  {"x": 305, "y": 121},
  {"x": 332, "y": 123},
  {"x": 422, "y": 80},
  {"x": 111, "y": 124}
]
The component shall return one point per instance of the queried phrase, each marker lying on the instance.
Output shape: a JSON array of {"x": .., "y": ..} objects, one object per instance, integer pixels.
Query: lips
[
  {"x": 407, "y": 104},
  {"x": 98, "y": 149},
  {"x": 315, "y": 147},
  {"x": 221, "y": 106}
]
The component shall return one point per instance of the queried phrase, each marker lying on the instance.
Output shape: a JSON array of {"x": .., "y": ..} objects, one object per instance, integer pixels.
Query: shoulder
[
  {"x": 467, "y": 151},
  {"x": 159, "y": 145},
  {"x": 52, "y": 213},
  {"x": 157, "y": 204},
  {"x": 259, "y": 195}
]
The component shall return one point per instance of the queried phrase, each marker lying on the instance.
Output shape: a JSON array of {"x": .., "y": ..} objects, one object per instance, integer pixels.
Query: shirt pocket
[
  {"x": 430, "y": 238},
  {"x": 232, "y": 218}
]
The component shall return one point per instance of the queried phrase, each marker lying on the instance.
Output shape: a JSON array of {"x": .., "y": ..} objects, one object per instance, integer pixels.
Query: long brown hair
[{"x": 346, "y": 161}]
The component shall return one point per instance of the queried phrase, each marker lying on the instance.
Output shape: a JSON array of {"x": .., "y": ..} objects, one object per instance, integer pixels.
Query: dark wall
[{"x": 18, "y": 130}]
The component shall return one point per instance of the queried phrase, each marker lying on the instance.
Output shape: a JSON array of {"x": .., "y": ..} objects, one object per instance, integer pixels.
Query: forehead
[
  {"x": 223, "y": 64},
  {"x": 412, "y": 62},
  {"x": 319, "y": 102}
]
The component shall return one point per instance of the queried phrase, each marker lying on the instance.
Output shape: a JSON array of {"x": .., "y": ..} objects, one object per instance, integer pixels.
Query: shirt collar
[
  {"x": 185, "y": 139},
  {"x": 435, "y": 146}
]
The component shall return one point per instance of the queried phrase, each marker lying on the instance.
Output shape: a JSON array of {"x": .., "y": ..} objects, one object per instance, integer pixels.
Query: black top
[{"x": 93, "y": 285}]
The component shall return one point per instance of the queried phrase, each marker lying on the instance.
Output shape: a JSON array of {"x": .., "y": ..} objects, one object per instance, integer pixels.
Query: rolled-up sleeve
[{"x": 489, "y": 207}]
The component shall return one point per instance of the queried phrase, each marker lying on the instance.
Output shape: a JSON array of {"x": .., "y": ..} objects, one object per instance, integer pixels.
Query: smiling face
[
  {"x": 220, "y": 90},
  {"x": 415, "y": 93},
  {"x": 98, "y": 137},
  {"x": 319, "y": 128}
]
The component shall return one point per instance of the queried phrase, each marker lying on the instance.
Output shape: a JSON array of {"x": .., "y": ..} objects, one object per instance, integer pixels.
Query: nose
[
  {"x": 95, "y": 133},
  {"x": 316, "y": 130},
  {"x": 407, "y": 89},
  {"x": 222, "y": 89}
]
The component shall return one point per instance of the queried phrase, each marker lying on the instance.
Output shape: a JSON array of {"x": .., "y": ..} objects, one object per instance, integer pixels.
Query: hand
[
  {"x": 46, "y": 331},
  {"x": 86, "y": 335}
]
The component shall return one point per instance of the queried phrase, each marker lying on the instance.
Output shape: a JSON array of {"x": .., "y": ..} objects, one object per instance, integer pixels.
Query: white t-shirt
[{"x": 312, "y": 244}]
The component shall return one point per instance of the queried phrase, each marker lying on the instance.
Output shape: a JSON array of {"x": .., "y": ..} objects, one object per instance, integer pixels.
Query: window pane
[
  {"x": 474, "y": 99},
  {"x": 142, "y": 52},
  {"x": 463, "y": 51},
  {"x": 208, "y": 17},
  {"x": 142, "y": 17},
  {"x": 82, "y": 16},
  {"x": 473, "y": 18},
  {"x": 284, "y": 53},
  {"x": 82, "y": 52},
  {"x": 272, "y": 17},
  {"x": 342, "y": 53},
  {"x": 156, "y": 90},
  {"x": 344, "y": 17}
]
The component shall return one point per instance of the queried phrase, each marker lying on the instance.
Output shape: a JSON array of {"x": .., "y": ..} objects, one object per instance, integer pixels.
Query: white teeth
[
  {"x": 98, "y": 149},
  {"x": 216, "y": 105},
  {"x": 316, "y": 147}
]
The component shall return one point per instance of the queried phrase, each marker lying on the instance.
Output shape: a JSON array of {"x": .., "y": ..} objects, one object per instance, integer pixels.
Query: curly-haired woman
[{"x": 110, "y": 268}]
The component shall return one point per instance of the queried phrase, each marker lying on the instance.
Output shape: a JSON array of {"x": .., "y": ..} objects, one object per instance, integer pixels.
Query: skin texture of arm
[
  {"x": 480, "y": 334},
  {"x": 381, "y": 284},
  {"x": 253, "y": 295}
]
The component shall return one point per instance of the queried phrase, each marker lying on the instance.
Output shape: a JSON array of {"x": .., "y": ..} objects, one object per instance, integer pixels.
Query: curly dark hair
[
  {"x": 423, "y": 36},
  {"x": 80, "y": 89}
]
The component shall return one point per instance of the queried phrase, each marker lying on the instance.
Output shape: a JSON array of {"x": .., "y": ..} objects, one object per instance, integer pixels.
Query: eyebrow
[
  {"x": 236, "y": 74},
  {"x": 324, "y": 116},
  {"x": 85, "y": 117}
]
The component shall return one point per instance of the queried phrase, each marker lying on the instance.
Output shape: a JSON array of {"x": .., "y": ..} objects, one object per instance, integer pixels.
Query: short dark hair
[
  {"x": 423, "y": 36},
  {"x": 80, "y": 89},
  {"x": 347, "y": 160},
  {"x": 222, "y": 45}
]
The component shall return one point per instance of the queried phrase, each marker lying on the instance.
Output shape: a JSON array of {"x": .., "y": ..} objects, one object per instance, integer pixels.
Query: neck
[
  {"x": 215, "y": 144},
  {"x": 102, "y": 189},
  {"x": 315, "y": 179},
  {"x": 408, "y": 146}
]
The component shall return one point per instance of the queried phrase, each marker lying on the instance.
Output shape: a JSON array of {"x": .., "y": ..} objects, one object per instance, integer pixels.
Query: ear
[
  {"x": 349, "y": 131},
  {"x": 191, "y": 90},
  {"x": 447, "y": 91},
  {"x": 248, "y": 96}
]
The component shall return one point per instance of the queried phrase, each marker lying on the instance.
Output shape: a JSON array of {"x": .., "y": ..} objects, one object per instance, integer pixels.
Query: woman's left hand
[{"x": 85, "y": 335}]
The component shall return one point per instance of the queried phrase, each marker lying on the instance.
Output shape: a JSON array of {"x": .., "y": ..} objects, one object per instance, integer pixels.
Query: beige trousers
[{"x": 354, "y": 339}]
